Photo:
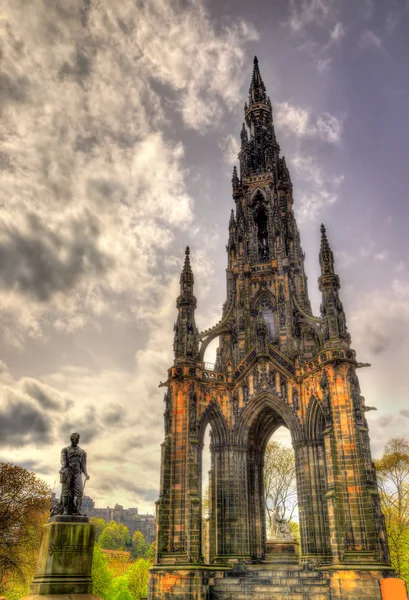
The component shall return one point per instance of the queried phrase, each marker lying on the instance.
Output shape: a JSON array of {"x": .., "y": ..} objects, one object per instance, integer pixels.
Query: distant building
[{"x": 130, "y": 517}]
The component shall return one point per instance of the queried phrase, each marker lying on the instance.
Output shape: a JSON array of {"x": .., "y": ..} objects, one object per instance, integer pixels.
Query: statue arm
[
  {"x": 84, "y": 464},
  {"x": 63, "y": 458}
]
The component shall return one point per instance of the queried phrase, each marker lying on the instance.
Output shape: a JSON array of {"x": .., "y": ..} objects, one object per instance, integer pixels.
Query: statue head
[{"x": 75, "y": 438}]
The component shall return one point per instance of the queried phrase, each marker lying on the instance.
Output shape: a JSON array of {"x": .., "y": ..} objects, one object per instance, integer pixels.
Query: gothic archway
[{"x": 258, "y": 421}]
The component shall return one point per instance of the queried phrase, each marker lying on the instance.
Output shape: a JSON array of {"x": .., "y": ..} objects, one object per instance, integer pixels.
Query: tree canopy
[
  {"x": 24, "y": 507},
  {"x": 393, "y": 481},
  {"x": 139, "y": 547},
  {"x": 279, "y": 481},
  {"x": 115, "y": 536}
]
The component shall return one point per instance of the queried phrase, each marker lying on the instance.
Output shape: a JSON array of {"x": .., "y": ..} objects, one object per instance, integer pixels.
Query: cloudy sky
[{"x": 119, "y": 128}]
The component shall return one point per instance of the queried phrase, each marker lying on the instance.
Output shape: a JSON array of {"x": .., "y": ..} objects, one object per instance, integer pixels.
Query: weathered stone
[
  {"x": 65, "y": 559},
  {"x": 277, "y": 364}
]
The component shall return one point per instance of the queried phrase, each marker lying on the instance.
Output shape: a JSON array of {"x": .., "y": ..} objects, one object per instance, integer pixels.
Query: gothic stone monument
[
  {"x": 276, "y": 364},
  {"x": 65, "y": 559}
]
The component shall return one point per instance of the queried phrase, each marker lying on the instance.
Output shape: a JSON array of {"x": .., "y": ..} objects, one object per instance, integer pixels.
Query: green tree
[
  {"x": 138, "y": 578},
  {"x": 24, "y": 507},
  {"x": 115, "y": 536},
  {"x": 151, "y": 551},
  {"x": 393, "y": 482},
  {"x": 139, "y": 547},
  {"x": 120, "y": 589},
  {"x": 102, "y": 577},
  {"x": 99, "y": 525},
  {"x": 279, "y": 481}
]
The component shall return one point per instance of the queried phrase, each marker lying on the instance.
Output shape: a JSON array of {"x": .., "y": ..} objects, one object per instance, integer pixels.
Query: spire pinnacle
[
  {"x": 186, "y": 277},
  {"x": 232, "y": 221},
  {"x": 243, "y": 135},
  {"x": 326, "y": 256},
  {"x": 257, "y": 91},
  {"x": 235, "y": 179}
]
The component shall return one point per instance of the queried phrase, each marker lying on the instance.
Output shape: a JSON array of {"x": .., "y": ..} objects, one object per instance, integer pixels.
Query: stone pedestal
[
  {"x": 65, "y": 560},
  {"x": 282, "y": 550}
]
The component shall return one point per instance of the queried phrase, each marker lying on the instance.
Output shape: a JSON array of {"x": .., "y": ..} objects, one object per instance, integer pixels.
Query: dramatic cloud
[
  {"x": 22, "y": 422},
  {"x": 95, "y": 192},
  {"x": 301, "y": 123},
  {"x": 307, "y": 12},
  {"x": 317, "y": 191}
]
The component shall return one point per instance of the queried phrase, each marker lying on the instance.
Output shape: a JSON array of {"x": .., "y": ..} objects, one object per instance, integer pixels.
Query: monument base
[
  {"x": 282, "y": 550},
  {"x": 65, "y": 559}
]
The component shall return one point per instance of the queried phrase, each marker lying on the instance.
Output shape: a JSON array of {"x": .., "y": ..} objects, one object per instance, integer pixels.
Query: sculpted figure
[
  {"x": 74, "y": 464},
  {"x": 279, "y": 527}
]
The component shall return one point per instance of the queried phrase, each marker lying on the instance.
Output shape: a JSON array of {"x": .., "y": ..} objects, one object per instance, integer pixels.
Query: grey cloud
[
  {"x": 29, "y": 262},
  {"x": 85, "y": 143},
  {"x": 23, "y": 423},
  {"x": 80, "y": 68},
  {"x": 405, "y": 413},
  {"x": 86, "y": 425},
  {"x": 377, "y": 341},
  {"x": 131, "y": 443},
  {"x": 35, "y": 466},
  {"x": 14, "y": 91},
  {"x": 114, "y": 415},
  {"x": 45, "y": 396},
  {"x": 117, "y": 483}
]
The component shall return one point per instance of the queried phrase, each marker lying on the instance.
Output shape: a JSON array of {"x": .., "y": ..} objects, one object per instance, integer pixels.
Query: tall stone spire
[
  {"x": 332, "y": 311},
  {"x": 257, "y": 91},
  {"x": 259, "y": 152},
  {"x": 186, "y": 339}
]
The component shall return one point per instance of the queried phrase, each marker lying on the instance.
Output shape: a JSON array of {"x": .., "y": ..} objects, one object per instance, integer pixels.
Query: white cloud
[
  {"x": 307, "y": 12},
  {"x": 369, "y": 39},
  {"x": 337, "y": 33},
  {"x": 302, "y": 123},
  {"x": 323, "y": 64},
  {"x": 84, "y": 136},
  {"x": 230, "y": 147},
  {"x": 317, "y": 189},
  {"x": 381, "y": 256}
]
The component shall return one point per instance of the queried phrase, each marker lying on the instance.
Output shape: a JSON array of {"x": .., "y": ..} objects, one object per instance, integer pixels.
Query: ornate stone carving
[
  {"x": 326, "y": 399},
  {"x": 192, "y": 410},
  {"x": 355, "y": 392}
]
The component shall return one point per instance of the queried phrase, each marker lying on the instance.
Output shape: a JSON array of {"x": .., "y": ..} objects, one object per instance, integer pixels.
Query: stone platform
[
  {"x": 279, "y": 550},
  {"x": 65, "y": 560}
]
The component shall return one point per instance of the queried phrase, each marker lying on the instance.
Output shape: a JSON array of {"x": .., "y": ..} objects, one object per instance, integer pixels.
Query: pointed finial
[
  {"x": 187, "y": 274},
  {"x": 243, "y": 135},
  {"x": 235, "y": 179},
  {"x": 232, "y": 221},
  {"x": 326, "y": 256},
  {"x": 257, "y": 91}
]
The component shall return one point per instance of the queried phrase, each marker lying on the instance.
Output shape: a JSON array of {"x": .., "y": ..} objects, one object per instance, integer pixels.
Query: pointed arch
[
  {"x": 214, "y": 416},
  {"x": 259, "y": 296},
  {"x": 257, "y": 197},
  {"x": 314, "y": 420},
  {"x": 281, "y": 414}
]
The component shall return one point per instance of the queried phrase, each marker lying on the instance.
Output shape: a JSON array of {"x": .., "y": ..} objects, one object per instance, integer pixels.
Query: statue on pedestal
[
  {"x": 64, "y": 564},
  {"x": 280, "y": 528},
  {"x": 74, "y": 465}
]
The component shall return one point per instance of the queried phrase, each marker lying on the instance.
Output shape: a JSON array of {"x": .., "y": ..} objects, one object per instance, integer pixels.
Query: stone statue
[
  {"x": 74, "y": 464},
  {"x": 280, "y": 528}
]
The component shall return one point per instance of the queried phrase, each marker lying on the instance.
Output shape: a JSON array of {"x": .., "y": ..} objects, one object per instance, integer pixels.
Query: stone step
[{"x": 261, "y": 583}]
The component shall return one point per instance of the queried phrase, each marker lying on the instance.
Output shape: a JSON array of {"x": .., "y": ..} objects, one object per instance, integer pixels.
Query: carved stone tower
[{"x": 276, "y": 364}]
